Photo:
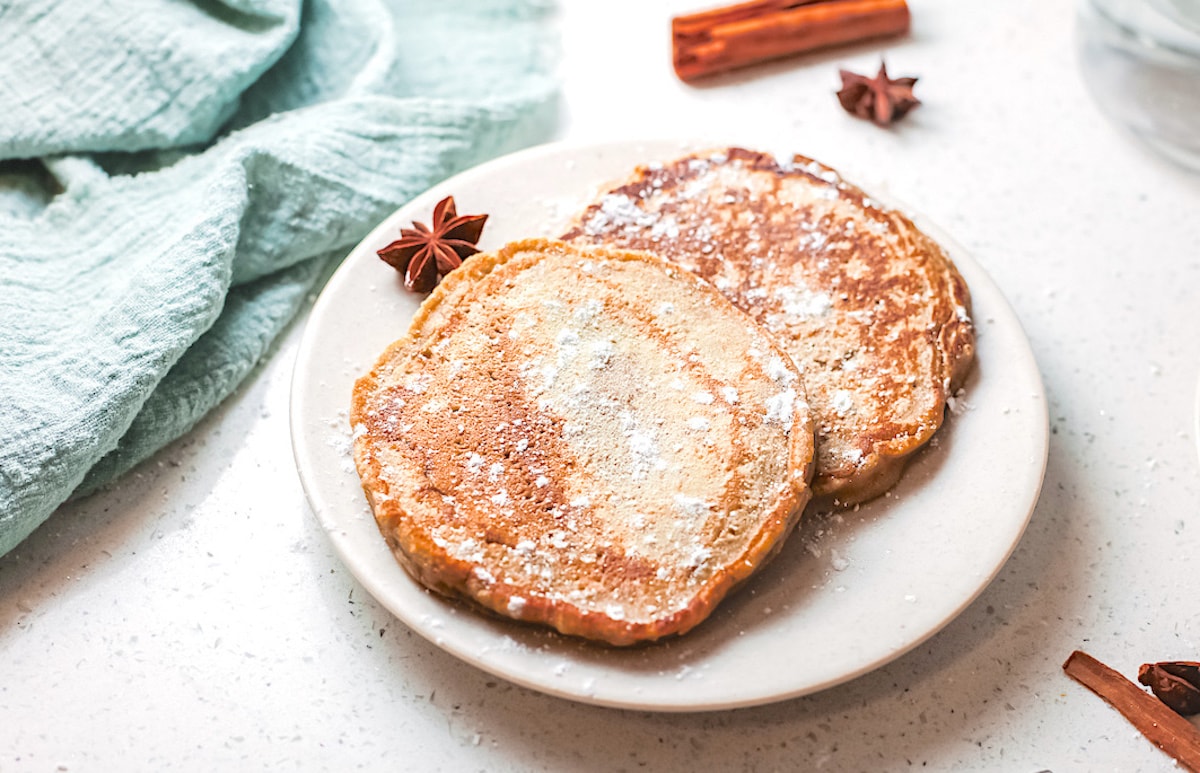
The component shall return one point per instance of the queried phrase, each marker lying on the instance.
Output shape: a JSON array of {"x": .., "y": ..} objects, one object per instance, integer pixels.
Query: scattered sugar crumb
[
  {"x": 694, "y": 506},
  {"x": 779, "y": 372},
  {"x": 779, "y": 407}
]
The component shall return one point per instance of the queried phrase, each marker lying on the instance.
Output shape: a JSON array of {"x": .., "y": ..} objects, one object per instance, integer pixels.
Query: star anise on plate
[
  {"x": 426, "y": 254},
  {"x": 880, "y": 99}
]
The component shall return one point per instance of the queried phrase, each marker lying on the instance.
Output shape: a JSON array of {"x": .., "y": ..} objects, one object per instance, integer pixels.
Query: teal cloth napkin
[{"x": 176, "y": 176}]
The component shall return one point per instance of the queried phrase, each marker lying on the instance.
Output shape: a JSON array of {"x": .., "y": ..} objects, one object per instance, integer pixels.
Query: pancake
[
  {"x": 871, "y": 309},
  {"x": 587, "y": 439}
]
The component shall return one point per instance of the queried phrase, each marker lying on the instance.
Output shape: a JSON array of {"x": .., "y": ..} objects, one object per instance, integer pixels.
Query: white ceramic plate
[{"x": 848, "y": 593}]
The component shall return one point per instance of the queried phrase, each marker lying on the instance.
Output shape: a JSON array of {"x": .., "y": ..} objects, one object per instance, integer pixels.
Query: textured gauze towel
[{"x": 175, "y": 176}]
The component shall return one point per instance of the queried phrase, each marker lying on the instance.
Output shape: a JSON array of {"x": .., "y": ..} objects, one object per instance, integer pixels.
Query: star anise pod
[
  {"x": 1175, "y": 683},
  {"x": 880, "y": 99},
  {"x": 426, "y": 254}
]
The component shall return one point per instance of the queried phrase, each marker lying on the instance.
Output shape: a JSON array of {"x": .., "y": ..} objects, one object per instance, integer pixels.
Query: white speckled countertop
[{"x": 196, "y": 618}]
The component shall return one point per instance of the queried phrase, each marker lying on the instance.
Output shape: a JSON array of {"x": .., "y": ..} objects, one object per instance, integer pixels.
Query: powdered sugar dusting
[
  {"x": 618, "y": 211},
  {"x": 418, "y": 382},
  {"x": 802, "y": 302},
  {"x": 693, "y": 506},
  {"x": 780, "y": 407},
  {"x": 842, "y": 402},
  {"x": 780, "y": 373},
  {"x": 643, "y": 448},
  {"x": 601, "y": 354}
]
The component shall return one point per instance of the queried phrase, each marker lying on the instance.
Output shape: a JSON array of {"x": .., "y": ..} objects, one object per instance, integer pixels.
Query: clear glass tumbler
[{"x": 1141, "y": 60}]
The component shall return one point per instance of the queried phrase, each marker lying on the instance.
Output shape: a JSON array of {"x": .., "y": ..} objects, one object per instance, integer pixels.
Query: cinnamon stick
[
  {"x": 747, "y": 33},
  {"x": 1165, "y": 729}
]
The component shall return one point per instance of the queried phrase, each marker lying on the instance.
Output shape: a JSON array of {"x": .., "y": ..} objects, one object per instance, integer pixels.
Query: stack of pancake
[{"x": 607, "y": 433}]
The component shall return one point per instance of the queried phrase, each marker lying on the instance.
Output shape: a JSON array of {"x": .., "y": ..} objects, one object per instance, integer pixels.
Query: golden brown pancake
[
  {"x": 870, "y": 308},
  {"x": 592, "y": 440}
]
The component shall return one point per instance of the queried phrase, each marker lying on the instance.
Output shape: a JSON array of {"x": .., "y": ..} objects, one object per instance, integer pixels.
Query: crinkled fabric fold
[{"x": 175, "y": 178}]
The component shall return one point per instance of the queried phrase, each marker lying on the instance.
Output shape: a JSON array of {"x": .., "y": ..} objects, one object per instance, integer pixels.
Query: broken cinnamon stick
[
  {"x": 747, "y": 33},
  {"x": 1165, "y": 729}
]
